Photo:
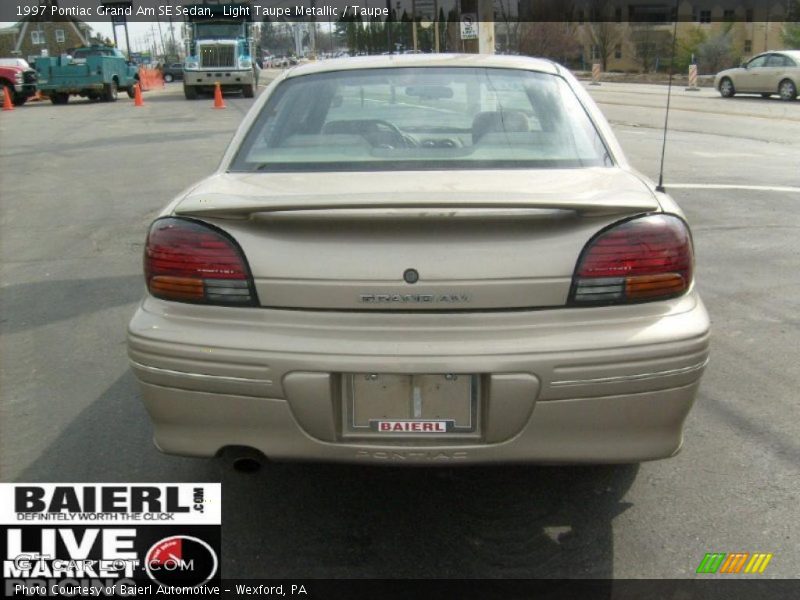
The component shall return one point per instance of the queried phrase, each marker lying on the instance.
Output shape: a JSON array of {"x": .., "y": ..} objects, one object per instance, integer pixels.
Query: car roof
[
  {"x": 425, "y": 60},
  {"x": 793, "y": 53}
]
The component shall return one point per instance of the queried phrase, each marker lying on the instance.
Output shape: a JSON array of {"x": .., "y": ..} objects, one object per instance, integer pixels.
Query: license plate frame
[{"x": 419, "y": 405}]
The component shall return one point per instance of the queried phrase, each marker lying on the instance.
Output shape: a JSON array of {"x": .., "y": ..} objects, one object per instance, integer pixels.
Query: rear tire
[
  {"x": 787, "y": 90},
  {"x": 131, "y": 92},
  {"x": 248, "y": 91},
  {"x": 190, "y": 92},
  {"x": 726, "y": 89},
  {"x": 59, "y": 98},
  {"x": 110, "y": 92}
]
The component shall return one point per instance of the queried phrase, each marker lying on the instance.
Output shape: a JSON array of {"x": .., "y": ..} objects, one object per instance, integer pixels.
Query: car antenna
[{"x": 660, "y": 187}]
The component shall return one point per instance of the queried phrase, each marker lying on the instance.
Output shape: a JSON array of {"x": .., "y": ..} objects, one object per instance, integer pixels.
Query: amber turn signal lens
[
  {"x": 642, "y": 287},
  {"x": 177, "y": 288}
]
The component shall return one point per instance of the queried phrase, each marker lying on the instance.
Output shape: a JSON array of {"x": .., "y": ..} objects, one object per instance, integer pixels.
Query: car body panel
[
  {"x": 19, "y": 79},
  {"x": 295, "y": 219},
  {"x": 615, "y": 387}
]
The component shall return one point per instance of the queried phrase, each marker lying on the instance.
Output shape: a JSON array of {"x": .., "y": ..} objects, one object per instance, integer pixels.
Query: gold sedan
[
  {"x": 766, "y": 74},
  {"x": 422, "y": 259}
]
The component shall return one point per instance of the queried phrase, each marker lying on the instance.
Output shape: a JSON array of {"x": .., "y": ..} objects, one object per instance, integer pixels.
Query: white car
[{"x": 766, "y": 74}]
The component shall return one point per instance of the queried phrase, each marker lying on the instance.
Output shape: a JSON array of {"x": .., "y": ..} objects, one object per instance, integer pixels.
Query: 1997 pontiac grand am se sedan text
[{"x": 422, "y": 258}]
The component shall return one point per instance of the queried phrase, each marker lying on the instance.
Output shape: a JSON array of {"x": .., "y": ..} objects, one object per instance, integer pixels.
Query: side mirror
[{"x": 743, "y": 66}]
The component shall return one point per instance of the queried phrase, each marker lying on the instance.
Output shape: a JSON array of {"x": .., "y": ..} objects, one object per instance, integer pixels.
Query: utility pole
[
  {"x": 121, "y": 20},
  {"x": 312, "y": 35},
  {"x": 484, "y": 11},
  {"x": 414, "y": 23},
  {"x": 436, "y": 25},
  {"x": 161, "y": 37},
  {"x": 389, "y": 21},
  {"x": 155, "y": 39},
  {"x": 172, "y": 36}
]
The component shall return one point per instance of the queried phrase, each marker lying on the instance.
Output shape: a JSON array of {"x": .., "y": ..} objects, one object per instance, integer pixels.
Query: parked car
[
  {"x": 766, "y": 74},
  {"x": 18, "y": 79},
  {"x": 172, "y": 72},
  {"x": 471, "y": 272},
  {"x": 276, "y": 62}
]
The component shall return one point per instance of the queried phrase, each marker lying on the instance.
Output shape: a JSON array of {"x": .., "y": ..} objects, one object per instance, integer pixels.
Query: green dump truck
[{"x": 94, "y": 72}]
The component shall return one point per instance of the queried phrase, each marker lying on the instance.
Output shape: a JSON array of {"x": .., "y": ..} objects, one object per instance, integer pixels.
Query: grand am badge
[{"x": 414, "y": 298}]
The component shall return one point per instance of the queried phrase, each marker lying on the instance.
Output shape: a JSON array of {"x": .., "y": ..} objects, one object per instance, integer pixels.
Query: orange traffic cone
[
  {"x": 218, "y": 101},
  {"x": 137, "y": 95},
  {"x": 7, "y": 103}
]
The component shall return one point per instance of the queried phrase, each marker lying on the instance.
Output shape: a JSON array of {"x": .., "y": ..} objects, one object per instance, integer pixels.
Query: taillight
[
  {"x": 646, "y": 258},
  {"x": 189, "y": 261}
]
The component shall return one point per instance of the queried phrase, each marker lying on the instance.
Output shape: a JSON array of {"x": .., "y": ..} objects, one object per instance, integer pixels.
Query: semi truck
[
  {"x": 219, "y": 48},
  {"x": 96, "y": 72}
]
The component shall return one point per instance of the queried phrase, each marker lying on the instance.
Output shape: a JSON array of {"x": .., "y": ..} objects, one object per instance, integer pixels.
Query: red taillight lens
[
  {"x": 646, "y": 258},
  {"x": 188, "y": 261}
]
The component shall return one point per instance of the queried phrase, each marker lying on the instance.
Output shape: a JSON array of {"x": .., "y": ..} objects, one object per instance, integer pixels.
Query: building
[
  {"x": 34, "y": 36},
  {"x": 637, "y": 35}
]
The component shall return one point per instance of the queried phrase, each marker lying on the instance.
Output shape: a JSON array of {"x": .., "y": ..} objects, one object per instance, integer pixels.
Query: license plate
[{"x": 384, "y": 404}]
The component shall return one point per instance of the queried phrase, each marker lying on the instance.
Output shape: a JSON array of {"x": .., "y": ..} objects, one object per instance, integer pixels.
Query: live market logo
[{"x": 109, "y": 538}]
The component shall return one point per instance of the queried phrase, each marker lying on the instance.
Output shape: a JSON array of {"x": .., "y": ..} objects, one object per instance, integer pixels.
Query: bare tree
[
  {"x": 604, "y": 32},
  {"x": 549, "y": 39},
  {"x": 508, "y": 13},
  {"x": 717, "y": 52},
  {"x": 791, "y": 28},
  {"x": 651, "y": 45}
]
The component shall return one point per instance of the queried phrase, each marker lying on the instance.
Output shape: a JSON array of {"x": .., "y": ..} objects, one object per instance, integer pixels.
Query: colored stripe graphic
[
  {"x": 734, "y": 562},
  {"x": 711, "y": 562},
  {"x": 758, "y": 563}
]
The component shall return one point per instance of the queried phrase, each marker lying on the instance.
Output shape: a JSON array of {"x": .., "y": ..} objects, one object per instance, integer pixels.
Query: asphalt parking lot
[{"x": 80, "y": 183}]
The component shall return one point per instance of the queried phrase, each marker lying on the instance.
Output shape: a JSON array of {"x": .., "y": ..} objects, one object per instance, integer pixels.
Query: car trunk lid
[{"x": 416, "y": 241}]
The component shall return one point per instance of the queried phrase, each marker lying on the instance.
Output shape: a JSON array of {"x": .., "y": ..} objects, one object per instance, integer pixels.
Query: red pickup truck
[{"x": 19, "y": 80}]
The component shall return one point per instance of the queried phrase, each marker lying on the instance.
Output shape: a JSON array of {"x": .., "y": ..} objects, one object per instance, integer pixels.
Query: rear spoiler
[{"x": 224, "y": 206}]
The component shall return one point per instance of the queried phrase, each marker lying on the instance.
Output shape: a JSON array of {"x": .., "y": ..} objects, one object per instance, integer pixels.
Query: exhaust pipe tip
[
  {"x": 246, "y": 464},
  {"x": 244, "y": 459}
]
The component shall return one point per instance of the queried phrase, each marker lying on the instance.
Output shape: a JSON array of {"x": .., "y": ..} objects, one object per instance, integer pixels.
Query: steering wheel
[
  {"x": 377, "y": 125},
  {"x": 400, "y": 139}
]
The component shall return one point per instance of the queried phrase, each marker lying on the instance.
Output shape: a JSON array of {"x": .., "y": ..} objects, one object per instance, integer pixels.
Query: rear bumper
[{"x": 567, "y": 385}]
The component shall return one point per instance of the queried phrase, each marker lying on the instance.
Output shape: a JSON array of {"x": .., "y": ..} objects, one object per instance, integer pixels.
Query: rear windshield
[{"x": 421, "y": 118}]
